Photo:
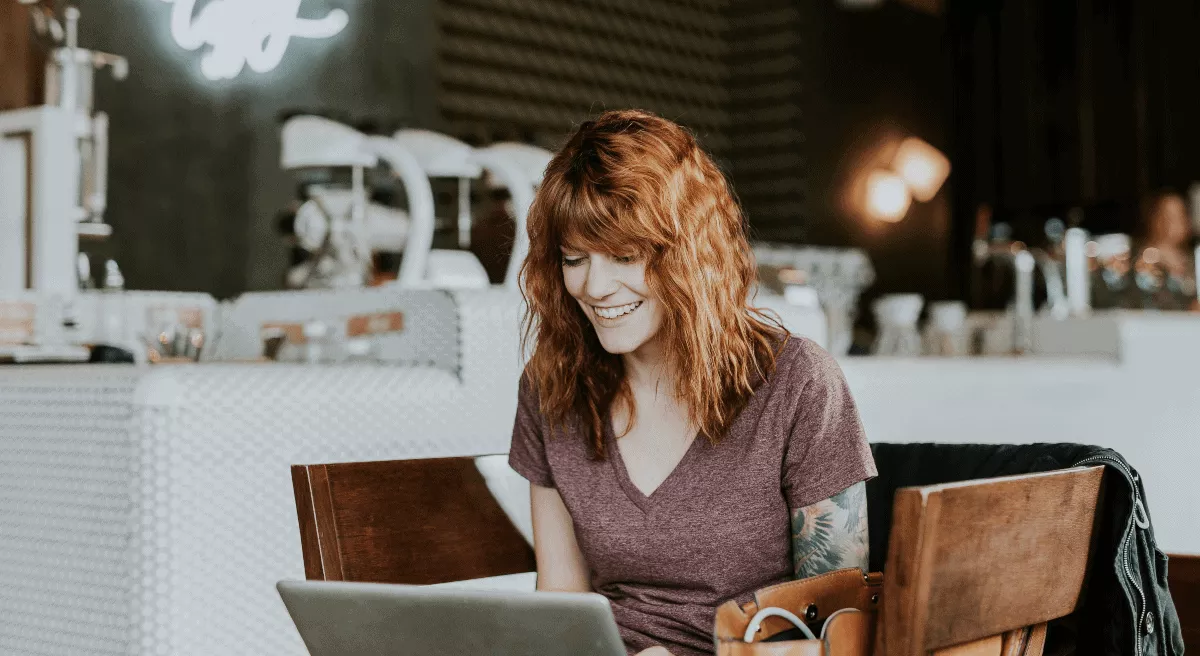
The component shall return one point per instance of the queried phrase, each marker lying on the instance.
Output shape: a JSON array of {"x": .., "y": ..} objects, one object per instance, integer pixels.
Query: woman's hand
[{"x": 656, "y": 650}]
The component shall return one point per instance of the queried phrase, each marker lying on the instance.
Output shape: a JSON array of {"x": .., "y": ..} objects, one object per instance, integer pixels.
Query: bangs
[{"x": 586, "y": 220}]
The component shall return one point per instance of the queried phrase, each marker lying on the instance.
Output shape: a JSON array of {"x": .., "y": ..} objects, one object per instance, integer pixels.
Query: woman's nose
[{"x": 601, "y": 278}]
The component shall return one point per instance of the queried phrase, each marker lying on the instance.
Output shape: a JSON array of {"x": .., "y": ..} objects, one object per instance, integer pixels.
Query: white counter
[
  {"x": 149, "y": 510},
  {"x": 1150, "y": 416}
]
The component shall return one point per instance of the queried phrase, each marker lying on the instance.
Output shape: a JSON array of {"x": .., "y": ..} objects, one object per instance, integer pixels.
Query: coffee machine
[
  {"x": 54, "y": 163},
  {"x": 339, "y": 228},
  {"x": 53, "y": 193}
]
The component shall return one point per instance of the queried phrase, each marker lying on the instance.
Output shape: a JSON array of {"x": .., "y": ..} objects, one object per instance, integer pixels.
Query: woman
[
  {"x": 1168, "y": 229},
  {"x": 1165, "y": 266},
  {"x": 682, "y": 450}
]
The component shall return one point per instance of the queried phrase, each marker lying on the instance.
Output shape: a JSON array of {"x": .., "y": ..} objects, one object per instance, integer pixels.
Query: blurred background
[{"x": 1075, "y": 110}]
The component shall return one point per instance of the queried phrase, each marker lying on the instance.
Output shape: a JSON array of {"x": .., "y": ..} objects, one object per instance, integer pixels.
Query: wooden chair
[
  {"x": 979, "y": 567},
  {"x": 404, "y": 521},
  {"x": 974, "y": 568},
  {"x": 1183, "y": 577}
]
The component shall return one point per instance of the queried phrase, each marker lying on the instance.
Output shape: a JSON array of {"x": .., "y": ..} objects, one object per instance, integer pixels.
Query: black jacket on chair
[{"x": 1127, "y": 609}]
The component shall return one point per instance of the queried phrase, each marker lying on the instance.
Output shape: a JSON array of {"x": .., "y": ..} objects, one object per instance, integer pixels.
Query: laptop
[{"x": 375, "y": 619}]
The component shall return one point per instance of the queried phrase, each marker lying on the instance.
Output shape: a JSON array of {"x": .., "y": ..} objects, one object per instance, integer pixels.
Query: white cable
[{"x": 776, "y": 612}]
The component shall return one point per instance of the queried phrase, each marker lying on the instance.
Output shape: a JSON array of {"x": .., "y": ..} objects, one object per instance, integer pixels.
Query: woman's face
[
  {"x": 1171, "y": 224},
  {"x": 613, "y": 294}
]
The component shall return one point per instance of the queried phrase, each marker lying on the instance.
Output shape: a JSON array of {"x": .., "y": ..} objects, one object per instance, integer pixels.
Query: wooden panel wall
[{"x": 18, "y": 60}]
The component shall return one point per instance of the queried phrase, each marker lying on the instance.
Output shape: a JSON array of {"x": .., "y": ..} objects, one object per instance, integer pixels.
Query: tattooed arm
[{"x": 831, "y": 534}]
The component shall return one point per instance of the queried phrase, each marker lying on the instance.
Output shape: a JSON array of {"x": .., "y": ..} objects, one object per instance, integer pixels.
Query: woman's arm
[
  {"x": 831, "y": 534},
  {"x": 560, "y": 563}
]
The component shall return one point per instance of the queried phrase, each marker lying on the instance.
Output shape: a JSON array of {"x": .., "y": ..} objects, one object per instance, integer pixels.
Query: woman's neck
[
  {"x": 651, "y": 379},
  {"x": 647, "y": 367}
]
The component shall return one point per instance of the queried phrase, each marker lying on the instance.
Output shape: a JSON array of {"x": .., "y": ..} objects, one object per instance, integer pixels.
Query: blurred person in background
[
  {"x": 1165, "y": 268},
  {"x": 682, "y": 448},
  {"x": 1168, "y": 228}
]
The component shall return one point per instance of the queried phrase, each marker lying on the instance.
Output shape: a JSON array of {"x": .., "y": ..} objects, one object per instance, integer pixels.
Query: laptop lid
[{"x": 337, "y": 618}]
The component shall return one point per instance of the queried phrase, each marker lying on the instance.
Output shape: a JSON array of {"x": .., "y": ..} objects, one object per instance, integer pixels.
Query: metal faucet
[
  {"x": 1056, "y": 294},
  {"x": 1024, "y": 261}
]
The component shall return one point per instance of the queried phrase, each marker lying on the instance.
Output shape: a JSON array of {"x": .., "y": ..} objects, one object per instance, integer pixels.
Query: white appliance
[
  {"x": 340, "y": 228},
  {"x": 418, "y": 155},
  {"x": 518, "y": 167},
  {"x": 331, "y": 224},
  {"x": 838, "y": 275},
  {"x": 53, "y": 191},
  {"x": 53, "y": 165}
]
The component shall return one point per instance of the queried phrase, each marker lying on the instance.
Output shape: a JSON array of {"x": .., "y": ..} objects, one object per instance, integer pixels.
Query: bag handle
[{"x": 776, "y": 612}]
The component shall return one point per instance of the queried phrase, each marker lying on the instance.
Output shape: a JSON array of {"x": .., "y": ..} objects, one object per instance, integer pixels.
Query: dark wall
[
  {"x": 1086, "y": 104},
  {"x": 1039, "y": 105},
  {"x": 195, "y": 182},
  {"x": 767, "y": 58},
  {"x": 540, "y": 67},
  {"x": 875, "y": 77},
  {"x": 785, "y": 94}
]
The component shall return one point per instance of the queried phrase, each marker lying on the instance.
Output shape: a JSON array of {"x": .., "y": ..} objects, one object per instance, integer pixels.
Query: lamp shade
[
  {"x": 923, "y": 168},
  {"x": 887, "y": 196}
]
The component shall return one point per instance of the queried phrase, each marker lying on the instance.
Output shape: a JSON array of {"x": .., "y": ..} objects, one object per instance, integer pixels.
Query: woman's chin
[
  {"x": 620, "y": 342},
  {"x": 618, "y": 346}
]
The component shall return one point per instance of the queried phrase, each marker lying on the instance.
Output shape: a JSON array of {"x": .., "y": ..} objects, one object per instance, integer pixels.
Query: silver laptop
[{"x": 373, "y": 619}]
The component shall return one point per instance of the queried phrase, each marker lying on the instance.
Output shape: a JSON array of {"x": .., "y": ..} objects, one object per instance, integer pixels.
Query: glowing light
[
  {"x": 922, "y": 166},
  {"x": 241, "y": 33},
  {"x": 887, "y": 196}
]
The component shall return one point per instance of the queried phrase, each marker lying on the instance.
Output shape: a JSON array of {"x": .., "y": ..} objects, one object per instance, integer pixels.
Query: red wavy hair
[{"x": 632, "y": 183}]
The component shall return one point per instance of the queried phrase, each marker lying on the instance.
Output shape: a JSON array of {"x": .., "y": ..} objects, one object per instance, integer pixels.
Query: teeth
[{"x": 614, "y": 312}]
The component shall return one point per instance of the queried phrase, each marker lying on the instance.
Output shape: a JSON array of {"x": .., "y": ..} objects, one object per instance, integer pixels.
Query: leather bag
[{"x": 838, "y": 610}]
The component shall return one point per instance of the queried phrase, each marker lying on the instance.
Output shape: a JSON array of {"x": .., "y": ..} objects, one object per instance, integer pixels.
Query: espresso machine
[
  {"x": 345, "y": 220},
  {"x": 335, "y": 226},
  {"x": 54, "y": 163},
  {"x": 340, "y": 229},
  {"x": 53, "y": 193}
]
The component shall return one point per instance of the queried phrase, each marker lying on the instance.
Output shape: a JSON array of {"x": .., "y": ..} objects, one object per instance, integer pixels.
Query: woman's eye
[
  {"x": 626, "y": 259},
  {"x": 572, "y": 261}
]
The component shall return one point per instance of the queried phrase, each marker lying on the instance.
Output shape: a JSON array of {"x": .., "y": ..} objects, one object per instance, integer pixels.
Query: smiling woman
[
  {"x": 612, "y": 292},
  {"x": 683, "y": 449}
]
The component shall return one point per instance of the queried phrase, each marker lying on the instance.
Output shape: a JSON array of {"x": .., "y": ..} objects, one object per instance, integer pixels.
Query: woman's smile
[{"x": 613, "y": 313}]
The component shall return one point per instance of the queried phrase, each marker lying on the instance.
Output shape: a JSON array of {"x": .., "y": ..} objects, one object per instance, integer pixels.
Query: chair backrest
[
  {"x": 1184, "y": 580},
  {"x": 987, "y": 561},
  {"x": 404, "y": 521}
]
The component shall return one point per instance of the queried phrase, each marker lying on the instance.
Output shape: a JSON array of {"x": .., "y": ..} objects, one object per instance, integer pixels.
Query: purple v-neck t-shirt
[{"x": 719, "y": 526}]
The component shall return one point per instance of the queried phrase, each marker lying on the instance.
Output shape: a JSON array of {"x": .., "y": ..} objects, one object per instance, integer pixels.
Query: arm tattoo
[{"x": 831, "y": 534}]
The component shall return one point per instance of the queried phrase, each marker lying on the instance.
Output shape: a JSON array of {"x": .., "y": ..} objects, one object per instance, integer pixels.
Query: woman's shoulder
[
  {"x": 529, "y": 404},
  {"x": 801, "y": 360},
  {"x": 527, "y": 394}
]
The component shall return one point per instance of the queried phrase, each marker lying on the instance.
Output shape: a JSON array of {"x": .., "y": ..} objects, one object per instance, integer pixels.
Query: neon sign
[{"x": 241, "y": 33}]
